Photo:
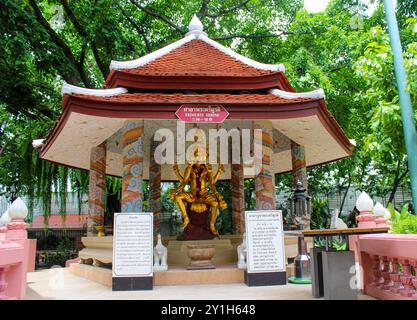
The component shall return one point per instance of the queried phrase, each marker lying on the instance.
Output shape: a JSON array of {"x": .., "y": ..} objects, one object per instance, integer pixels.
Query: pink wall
[
  {"x": 31, "y": 255},
  {"x": 379, "y": 256},
  {"x": 14, "y": 256}
]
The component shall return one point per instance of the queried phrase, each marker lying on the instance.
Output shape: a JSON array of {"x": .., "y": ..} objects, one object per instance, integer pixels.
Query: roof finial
[{"x": 195, "y": 24}]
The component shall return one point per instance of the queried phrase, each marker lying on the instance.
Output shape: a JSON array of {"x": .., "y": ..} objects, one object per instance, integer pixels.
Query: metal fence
[
  {"x": 59, "y": 233},
  {"x": 402, "y": 196},
  {"x": 169, "y": 222},
  {"x": 72, "y": 205}
]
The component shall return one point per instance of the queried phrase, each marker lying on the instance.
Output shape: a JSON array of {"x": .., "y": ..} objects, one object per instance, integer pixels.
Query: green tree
[
  {"x": 343, "y": 50},
  {"x": 385, "y": 141}
]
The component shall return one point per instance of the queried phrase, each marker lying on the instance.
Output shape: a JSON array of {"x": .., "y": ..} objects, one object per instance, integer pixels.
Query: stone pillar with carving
[
  {"x": 299, "y": 167},
  {"x": 265, "y": 179},
  {"x": 132, "y": 192},
  {"x": 97, "y": 189},
  {"x": 155, "y": 187},
  {"x": 238, "y": 199}
]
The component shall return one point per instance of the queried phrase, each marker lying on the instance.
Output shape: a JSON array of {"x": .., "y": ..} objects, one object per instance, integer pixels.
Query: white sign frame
[
  {"x": 141, "y": 215},
  {"x": 249, "y": 215}
]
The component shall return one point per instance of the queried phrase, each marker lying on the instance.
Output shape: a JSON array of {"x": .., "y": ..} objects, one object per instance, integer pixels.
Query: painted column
[
  {"x": 238, "y": 199},
  {"x": 97, "y": 189},
  {"x": 155, "y": 187},
  {"x": 265, "y": 179},
  {"x": 299, "y": 173},
  {"x": 132, "y": 194},
  {"x": 299, "y": 168}
]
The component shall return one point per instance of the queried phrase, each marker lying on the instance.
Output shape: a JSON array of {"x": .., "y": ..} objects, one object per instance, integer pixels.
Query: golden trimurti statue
[{"x": 199, "y": 197}]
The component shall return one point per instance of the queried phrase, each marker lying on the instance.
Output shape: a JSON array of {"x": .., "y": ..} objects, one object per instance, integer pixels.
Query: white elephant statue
[
  {"x": 242, "y": 253},
  {"x": 160, "y": 256}
]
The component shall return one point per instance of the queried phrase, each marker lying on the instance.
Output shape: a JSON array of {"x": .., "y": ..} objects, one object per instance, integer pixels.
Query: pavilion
[{"x": 108, "y": 131}]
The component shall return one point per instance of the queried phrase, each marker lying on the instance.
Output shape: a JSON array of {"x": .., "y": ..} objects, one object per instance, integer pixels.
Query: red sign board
[{"x": 196, "y": 113}]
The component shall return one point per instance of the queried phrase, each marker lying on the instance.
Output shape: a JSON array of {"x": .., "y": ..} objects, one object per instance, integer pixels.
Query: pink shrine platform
[
  {"x": 176, "y": 275},
  {"x": 100, "y": 249}
]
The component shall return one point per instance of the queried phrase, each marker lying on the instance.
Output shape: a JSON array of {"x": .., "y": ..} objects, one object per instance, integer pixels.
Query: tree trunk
[
  {"x": 397, "y": 181},
  {"x": 344, "y": 197}
]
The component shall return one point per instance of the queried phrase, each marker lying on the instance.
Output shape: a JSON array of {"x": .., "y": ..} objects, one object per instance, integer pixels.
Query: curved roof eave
[
  {"x": 165, "y": 109},
  {"x": 315, "y": 94},
  {"x": 71, "y": 89}
]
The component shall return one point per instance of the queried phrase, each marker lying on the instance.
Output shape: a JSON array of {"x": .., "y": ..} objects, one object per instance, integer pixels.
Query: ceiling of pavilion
[{"x": 82, "y": 132}]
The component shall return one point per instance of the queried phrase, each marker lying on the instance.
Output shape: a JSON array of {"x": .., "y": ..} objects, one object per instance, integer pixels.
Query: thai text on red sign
[{"x": 202, "y": 113}]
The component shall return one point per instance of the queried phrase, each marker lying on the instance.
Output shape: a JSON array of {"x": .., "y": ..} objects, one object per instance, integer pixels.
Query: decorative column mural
[
  {"x": 299, "y": 168},
  {"x": 238, "y": 199},
  {"x": 155, "y": 187},
  {"x": 265, "y": 179},
  {"x": 299, "y": 172},
  {"x": 97, "y": 189},
  {"x": 132, "y": 194}
]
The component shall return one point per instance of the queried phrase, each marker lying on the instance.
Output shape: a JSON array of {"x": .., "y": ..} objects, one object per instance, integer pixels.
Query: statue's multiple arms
[
  {"x": 183, "y": 180},
  {"x": 177, "y": 172},
  {"x": 220, "y": 170},
  {"x": 212, "y": 181}
]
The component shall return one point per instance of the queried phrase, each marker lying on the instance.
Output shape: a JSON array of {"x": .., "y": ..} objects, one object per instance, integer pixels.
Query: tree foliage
[{"x": 344, "y": 50}]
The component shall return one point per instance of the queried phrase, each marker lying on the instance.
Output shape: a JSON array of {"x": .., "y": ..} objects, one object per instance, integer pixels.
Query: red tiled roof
[
  {"x": 72, "y": 221},
  {"x": 218, "y": 98},
  {"x": 197, "y": 58}
]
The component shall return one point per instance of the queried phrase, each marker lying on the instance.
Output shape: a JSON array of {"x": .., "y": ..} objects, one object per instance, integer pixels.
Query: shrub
[
  {"x": 402, "y": 222},
  {"x": 49, "y": 259},
  {"x": 320, "y": 215}
]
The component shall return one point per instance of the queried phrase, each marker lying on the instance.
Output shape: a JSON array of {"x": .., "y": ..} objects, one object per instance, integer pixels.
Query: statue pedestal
[{"x": 198, "y": 228}]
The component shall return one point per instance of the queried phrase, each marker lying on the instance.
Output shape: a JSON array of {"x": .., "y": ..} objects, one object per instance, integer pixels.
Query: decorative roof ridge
[
  {"x": 69, "y": 88},
  {"x": 38, "y": 143},
  {"x": 315, "y": 94},
  {"x": 195, "y": 33},
  {"x": 140, "y": 62},
  {"x": 195, "y": 27},
  {"x": 239, "y": 57}
]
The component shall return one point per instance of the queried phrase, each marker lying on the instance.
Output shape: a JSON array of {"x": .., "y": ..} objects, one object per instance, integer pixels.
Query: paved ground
[{"x": 60, "y": 284}]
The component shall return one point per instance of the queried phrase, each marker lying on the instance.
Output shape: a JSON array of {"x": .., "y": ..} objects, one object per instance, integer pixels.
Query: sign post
[
  {"x": 265, "y": 248},
  {"x": 132, "y": 251}
]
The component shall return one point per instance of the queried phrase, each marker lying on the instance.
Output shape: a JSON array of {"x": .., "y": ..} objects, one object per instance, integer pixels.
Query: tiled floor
[{"x": 60, "y": 284}]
